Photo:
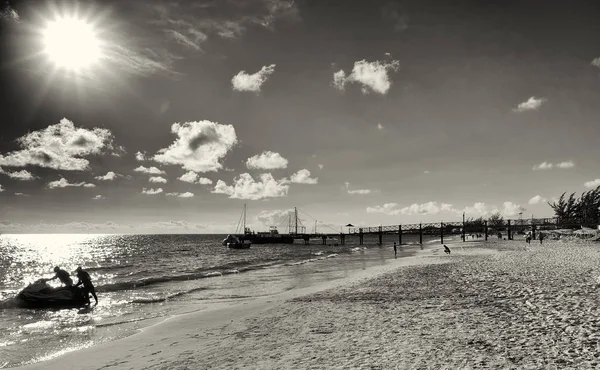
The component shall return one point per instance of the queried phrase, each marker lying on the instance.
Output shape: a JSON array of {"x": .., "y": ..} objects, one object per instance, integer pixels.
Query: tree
[
  {"x": 496, "y": 220},
  {"x": 584, "y": 210}
]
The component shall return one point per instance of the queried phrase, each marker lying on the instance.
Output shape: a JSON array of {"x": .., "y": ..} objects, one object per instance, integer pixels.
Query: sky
[{"x": 169, "y": 116}]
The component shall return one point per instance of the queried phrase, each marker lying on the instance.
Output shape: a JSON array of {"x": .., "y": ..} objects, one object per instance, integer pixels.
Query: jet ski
[{"x": 40, "y": 295}]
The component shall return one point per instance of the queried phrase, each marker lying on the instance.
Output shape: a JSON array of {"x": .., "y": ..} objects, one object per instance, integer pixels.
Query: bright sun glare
[{"x": 71, "y": 43}]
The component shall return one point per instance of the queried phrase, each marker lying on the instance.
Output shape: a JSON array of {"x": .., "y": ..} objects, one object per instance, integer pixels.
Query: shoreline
[{"x": 177, "y": 328}]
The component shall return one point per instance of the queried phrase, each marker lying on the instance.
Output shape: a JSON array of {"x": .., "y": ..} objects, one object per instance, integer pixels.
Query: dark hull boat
[
  {"x": 238, "y": 245},
  {"x": 268, "y": 238},
  {"x": 41, "y": 295}
]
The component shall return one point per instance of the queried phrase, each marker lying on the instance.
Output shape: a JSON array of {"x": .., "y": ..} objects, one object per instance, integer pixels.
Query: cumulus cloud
[
  {"x": 379, "y": 126},
  {"x": 567, "y": 164},
  {"x": 149, "y": 170},
  {"x": 320, "y": 166},
  {"x": 181, "y": 195},
  {"x": 537, "y": 199},
  {"x": 548, "y": 166},
  {"x": 99, "y": 197},
  {"x": 199, "y": 146},
  {"x": 543, "y": 166},
  {"x": 63, "y": 183},
  {"x": 140, "y": 156},
  {"x": 360, "y": 191},
  {"x": 243, "y": 81},
  {"x": 267, "y": 161},
  {"x": 596, "y": 62},
  {"x": 21, "y": 194},
  {"x": 110, "y": 176},
  {"x": 157, "y": 179},
  {"x": 193, "y": 178},
  {"x": 393, "y": 209},
  {"x": 245, "y": 187},
  {"x": 152, "y": 191},
  {"x": 508, "y": 209},
  {"x": 61, "y": 147},
  {"x": 511, "y": 209},
  {"x": 272, "y": 218},
  {"x": 22, "y": 175},
  {"x": 373, "y": 76},
  {"x": 532, "y": 103},
  {"x": 592, "y": 184},
  {"x": 1, "y": 189},
  {"x": 303, "y": 177}
]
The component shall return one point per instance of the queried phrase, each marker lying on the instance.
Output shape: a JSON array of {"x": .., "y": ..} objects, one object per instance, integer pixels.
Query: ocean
[{"x": 143, "y": 279}]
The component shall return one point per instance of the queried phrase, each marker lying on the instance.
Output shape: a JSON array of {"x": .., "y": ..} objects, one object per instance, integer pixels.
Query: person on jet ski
[
  {"x": 63, "y": 276},
  {"x": 88, "y": 287}
]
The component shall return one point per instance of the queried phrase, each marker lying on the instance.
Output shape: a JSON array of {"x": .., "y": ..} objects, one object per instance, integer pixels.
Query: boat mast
[
  {"x": 244, "y": 219},
  {"x": 296, "y": 215}
]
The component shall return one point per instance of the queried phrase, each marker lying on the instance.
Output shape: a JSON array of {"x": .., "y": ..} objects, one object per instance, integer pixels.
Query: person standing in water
[
  {"x": 63, "y": 276},
  {"x": 88, "y": 287}
]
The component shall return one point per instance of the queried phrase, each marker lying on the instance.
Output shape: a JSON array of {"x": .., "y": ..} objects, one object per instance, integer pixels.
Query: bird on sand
[{"x": 446, "y": 249}]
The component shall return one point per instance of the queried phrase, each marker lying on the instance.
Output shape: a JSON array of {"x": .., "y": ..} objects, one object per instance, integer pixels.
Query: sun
[{"x": 71, "y": 43}]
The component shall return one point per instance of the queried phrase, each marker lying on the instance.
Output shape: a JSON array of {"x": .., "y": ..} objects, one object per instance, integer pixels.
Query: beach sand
[{"x": 499, "y": 305}]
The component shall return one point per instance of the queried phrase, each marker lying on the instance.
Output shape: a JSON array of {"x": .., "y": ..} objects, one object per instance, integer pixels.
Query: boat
[
  {"x": 271, "y": 237},
  {"x": 40, "y": 295},
  {"x": 233, "y": 242}
]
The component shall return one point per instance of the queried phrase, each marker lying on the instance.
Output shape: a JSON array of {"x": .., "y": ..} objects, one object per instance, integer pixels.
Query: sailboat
[{"x": 232, "y": 242}]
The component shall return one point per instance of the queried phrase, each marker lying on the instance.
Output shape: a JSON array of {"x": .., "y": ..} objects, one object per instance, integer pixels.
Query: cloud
[
  {"x": 157, "y": 179},
  {"x": 567, "y": 164},
  {"x": 61, "y": 147},
  {"x": 543, "y": 166},
  {"x": 63, "y": 183},
  {"x": 243, "y": 81},
  {"x": 22, "y": 175},
  {"x": 303, "y": 177},
  {"x": 532, "y": 103},
  {"x": 152, "y": 191},
  {"x": 99, "y": 197},
  {"x": 245, "y": 187},
  {"x": 426, "y": 172},
  {"x": 190, "y": 41},
  {"x": 537, "y": 199},
  {"x": 549, "y": 166},
  {"x": 320, "y": 166},
  {"x": 511, "y": 209},
  {"x": 373, "y": 76},
  {"x": 481, "y": 209},
  {"x": 267, "y": 161},
  {"x": 199, "y": 146},
  {"x": 1, "y": 189},
  {"x": 592, "y": 184},
  {"x": 140, "y": 61},
  {"x": 379, "y": 126},
  {"x": 110, "y": 176},
  {"x": 193, "y": 178},
  {"x": 22, "y": 194},
  {"x": 434, "y": 208},
  {"x": 141, "y": 156},
  {"x": 9, "y": 13},
  {"x": 392, "y": 13},
  {"x": 181, "y": 195},
  {"x": 272, "y": 218},
  {"x": 596, "y": 62},
  {"x": 360, "y": 191},
  {"x": 149, "y": 170}
]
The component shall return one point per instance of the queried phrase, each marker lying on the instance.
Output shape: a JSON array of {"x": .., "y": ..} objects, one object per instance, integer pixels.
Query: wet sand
[{"x": 500, "y": 305}]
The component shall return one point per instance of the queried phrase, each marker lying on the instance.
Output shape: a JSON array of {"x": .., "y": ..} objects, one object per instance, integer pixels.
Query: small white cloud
[
  {"x": 157, "y": 179},
  {"x": 379, "y": 126},
  {"x": 1, "y": 189},
  {"x": 321, "y": 166},
  {"x": 543, "y": 166},
  {"x": 21, "y": 194},
  {"x": 267, "y": 160},
  {"x": 99, "y": 197},
  {"x": 110, "y": 176},
  {"x": 388, "y": 54},
  {"x": 303, "y": 177},
  {"x": 193, "y": 178},
  {"x": 181, "y": 195},
  {"x": 532, "y": 103},
  {"x": 592, "y": 184},
  {"x": 149, "y": 170},
  {"x": 22, "y": 175},
  {"x": 252, "y": 82},
  {"x": 141, "y": 156},
  {"x": 245, "y": 187},
  {"x": 61, "y": 147},
  {"x": 63, "y": 183},
  {"x": 511, "y": 209},
  {"x": 360, "y": 191},
  {"x": 596, "y": 62},
  {"x": 373, "y": 76},
  {"x": 152, "y": 191},
  {"x": 567, "y": 164},
  {"x": 426, "y": 172},
  {"x": 199, "y": 146},
  {"x": 537, "y": 199}
]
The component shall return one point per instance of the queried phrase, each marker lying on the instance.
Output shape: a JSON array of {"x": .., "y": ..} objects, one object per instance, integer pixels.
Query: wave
[
  {"x": 333, "y": 255},
  {"x": 113, "y": 267},
  {"x": 168, "y": 297}
]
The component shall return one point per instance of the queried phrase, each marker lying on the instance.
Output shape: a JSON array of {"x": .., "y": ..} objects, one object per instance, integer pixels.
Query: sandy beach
[{"x": 489, "y": 306}]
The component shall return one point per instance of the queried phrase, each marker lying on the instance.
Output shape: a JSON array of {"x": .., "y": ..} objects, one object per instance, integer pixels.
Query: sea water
[{"x": 142, "y": 279}]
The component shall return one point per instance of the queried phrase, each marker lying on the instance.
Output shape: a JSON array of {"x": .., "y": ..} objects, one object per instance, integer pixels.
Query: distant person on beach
[
  {"x": 499, "y": 235},
  {"x": 542, "y": 236},
  {"x": 446, "y": 249},
  {"x": 62, "y": 275},
  {"x": 395, "y": 250},
  {"x": 528, "y": 239},
  {"x": 88, "y": 287}
]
